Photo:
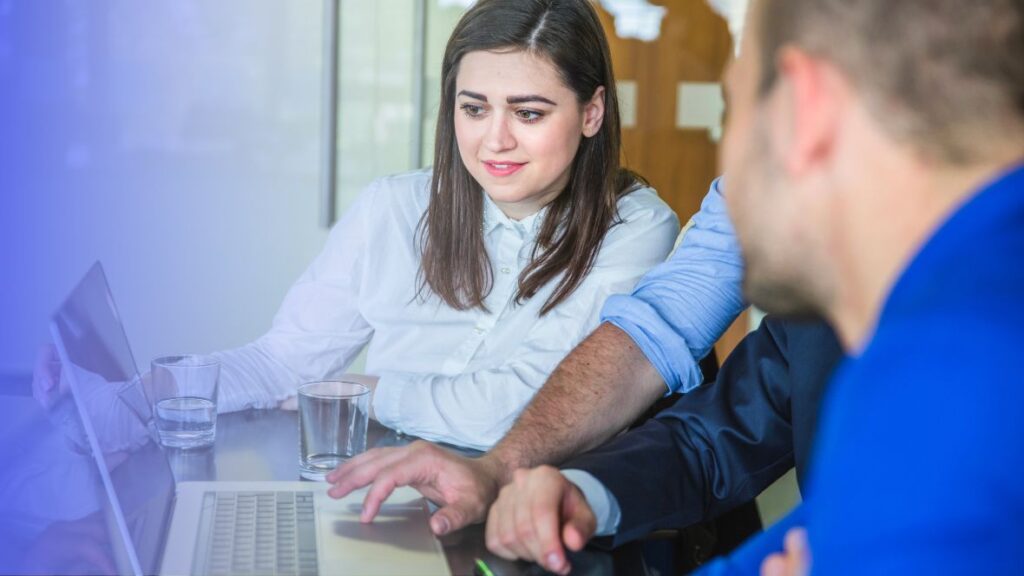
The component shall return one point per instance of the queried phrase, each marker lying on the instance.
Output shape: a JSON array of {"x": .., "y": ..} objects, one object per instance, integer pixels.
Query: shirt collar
[{"x": 494, "y": 218}]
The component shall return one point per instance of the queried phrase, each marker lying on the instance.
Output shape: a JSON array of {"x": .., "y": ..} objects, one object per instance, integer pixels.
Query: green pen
[{"x": 482, "y": 569}]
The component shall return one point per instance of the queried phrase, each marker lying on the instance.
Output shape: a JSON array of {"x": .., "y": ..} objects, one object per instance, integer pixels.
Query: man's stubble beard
[{"x": 778, "y": 278}]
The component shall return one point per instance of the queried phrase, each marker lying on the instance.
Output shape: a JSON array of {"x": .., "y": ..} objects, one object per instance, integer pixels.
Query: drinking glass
[
  {"x": 184, "y": 394},
  {"x": 333, "y": 416}
]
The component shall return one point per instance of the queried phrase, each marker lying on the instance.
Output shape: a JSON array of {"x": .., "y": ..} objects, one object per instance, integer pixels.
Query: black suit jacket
[{"x": 722, "y": 444}]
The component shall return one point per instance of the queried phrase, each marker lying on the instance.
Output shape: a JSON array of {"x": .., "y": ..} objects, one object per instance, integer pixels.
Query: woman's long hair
[{"x": 455, "y": 264}]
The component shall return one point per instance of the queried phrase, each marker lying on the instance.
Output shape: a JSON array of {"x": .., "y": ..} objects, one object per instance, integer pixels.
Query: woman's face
[{"x": 518, "y": 127}]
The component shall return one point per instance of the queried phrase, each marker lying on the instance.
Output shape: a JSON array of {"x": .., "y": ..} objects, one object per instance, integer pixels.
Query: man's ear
[
  {"x": 812, "y": 95},
  {"x": 593, "y": 113}
]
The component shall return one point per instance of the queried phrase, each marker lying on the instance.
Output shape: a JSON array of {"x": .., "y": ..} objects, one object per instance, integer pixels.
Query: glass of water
[
  {"x": 184, "y": 394},
  {"x": 333, "y": 416}
]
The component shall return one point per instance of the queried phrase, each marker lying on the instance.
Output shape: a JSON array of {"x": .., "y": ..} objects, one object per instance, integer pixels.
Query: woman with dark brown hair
[{"x": 470, "y": 281}]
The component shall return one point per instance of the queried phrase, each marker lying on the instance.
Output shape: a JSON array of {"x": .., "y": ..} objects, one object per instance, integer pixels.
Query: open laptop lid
[{"x": 105, "y": 397}]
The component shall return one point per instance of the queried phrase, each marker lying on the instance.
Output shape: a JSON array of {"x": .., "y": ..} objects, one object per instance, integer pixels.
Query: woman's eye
[
  {"x": 472, "y": 110},
  {"x": 529, "y": 115}
]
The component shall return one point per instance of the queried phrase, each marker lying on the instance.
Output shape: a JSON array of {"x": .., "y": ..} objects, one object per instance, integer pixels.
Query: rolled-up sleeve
[{"x": 680, "y": 308}]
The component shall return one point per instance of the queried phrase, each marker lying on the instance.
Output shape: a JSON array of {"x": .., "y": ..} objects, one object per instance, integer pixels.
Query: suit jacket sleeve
[{"x": 714, "y": 449}]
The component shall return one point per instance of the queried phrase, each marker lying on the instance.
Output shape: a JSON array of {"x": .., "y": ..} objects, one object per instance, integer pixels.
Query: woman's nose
[{"x": 499, "y": 135}]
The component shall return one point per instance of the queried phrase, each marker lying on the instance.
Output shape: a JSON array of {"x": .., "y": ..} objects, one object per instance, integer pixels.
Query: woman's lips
[{"x": 503, "y": 169}]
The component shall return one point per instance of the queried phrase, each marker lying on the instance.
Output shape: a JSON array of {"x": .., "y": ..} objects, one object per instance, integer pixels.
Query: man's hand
[
  {"x": 794, "y": 561},
  {"x": 462, "y": 487},
  {"x": 538, "y": 512},
  {"x": 602, "y": 386}
]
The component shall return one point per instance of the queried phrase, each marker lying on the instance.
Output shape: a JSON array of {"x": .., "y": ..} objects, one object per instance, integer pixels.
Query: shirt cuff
[
  {"x": 387, "y": 399},
  {"x": 648, "y": 330},
  {"x": 602, "y": 502}
]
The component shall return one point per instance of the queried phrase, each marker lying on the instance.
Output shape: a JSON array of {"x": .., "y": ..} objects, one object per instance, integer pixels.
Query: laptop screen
[{"x": 93, "y": 489}]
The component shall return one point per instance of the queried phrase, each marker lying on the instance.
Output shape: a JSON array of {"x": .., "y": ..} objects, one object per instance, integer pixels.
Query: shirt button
[
  {"x": 506, "y": 270},
  {"x": 479, "y": 330}
]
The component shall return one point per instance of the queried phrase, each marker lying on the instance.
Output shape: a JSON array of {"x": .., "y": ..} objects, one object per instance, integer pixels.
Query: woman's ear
[{"x": 593, "y": 113}]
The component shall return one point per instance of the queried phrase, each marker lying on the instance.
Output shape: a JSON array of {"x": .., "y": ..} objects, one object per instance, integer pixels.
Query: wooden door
[{"x": 693, "y": 47}]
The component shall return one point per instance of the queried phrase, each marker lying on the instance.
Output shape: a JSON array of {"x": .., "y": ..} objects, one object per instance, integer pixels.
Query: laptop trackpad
[{"x": 398, "y": 541}]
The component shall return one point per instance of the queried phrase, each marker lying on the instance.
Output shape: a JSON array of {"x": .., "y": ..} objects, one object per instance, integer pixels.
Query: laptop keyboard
[{"x": 257, "y": 533}]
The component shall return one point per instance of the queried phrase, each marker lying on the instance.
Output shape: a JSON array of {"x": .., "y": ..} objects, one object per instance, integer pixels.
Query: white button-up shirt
[{"x": 445, "y": 375}]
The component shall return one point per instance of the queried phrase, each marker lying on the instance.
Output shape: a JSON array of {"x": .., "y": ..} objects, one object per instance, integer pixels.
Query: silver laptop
[{"x": 157, "y": 525}]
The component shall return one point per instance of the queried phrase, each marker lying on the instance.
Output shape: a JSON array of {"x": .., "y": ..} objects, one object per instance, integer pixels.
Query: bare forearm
[{"x": 598, "y": 390}]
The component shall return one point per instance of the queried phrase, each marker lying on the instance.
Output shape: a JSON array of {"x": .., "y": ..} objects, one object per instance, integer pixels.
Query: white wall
[{"x": 177, "y": 141}]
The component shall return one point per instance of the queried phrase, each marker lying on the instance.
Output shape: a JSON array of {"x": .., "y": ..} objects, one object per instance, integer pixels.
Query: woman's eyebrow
[
  {"x": 472, "y": 95},
  {"x": 522, "y": 99},
  {"x": 529, "y": 98}
]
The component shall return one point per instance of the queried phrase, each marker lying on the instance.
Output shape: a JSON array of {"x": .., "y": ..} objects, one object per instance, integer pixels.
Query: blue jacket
[
  {"x": 919, "y": 462},
  {"x": 722, "y": 444}
]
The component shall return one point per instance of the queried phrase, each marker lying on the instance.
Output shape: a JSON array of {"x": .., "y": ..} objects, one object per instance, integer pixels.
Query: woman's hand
[
  {"x": 47, "y": 385},
  {"x": 368, "y": 381},
  {"x": 292, "y": 402}
]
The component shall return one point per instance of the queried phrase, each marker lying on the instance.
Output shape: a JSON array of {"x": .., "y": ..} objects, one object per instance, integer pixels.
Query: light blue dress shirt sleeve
[
  {"x": 681, "y": 307},
  {"x": 601, "y": 501}
]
